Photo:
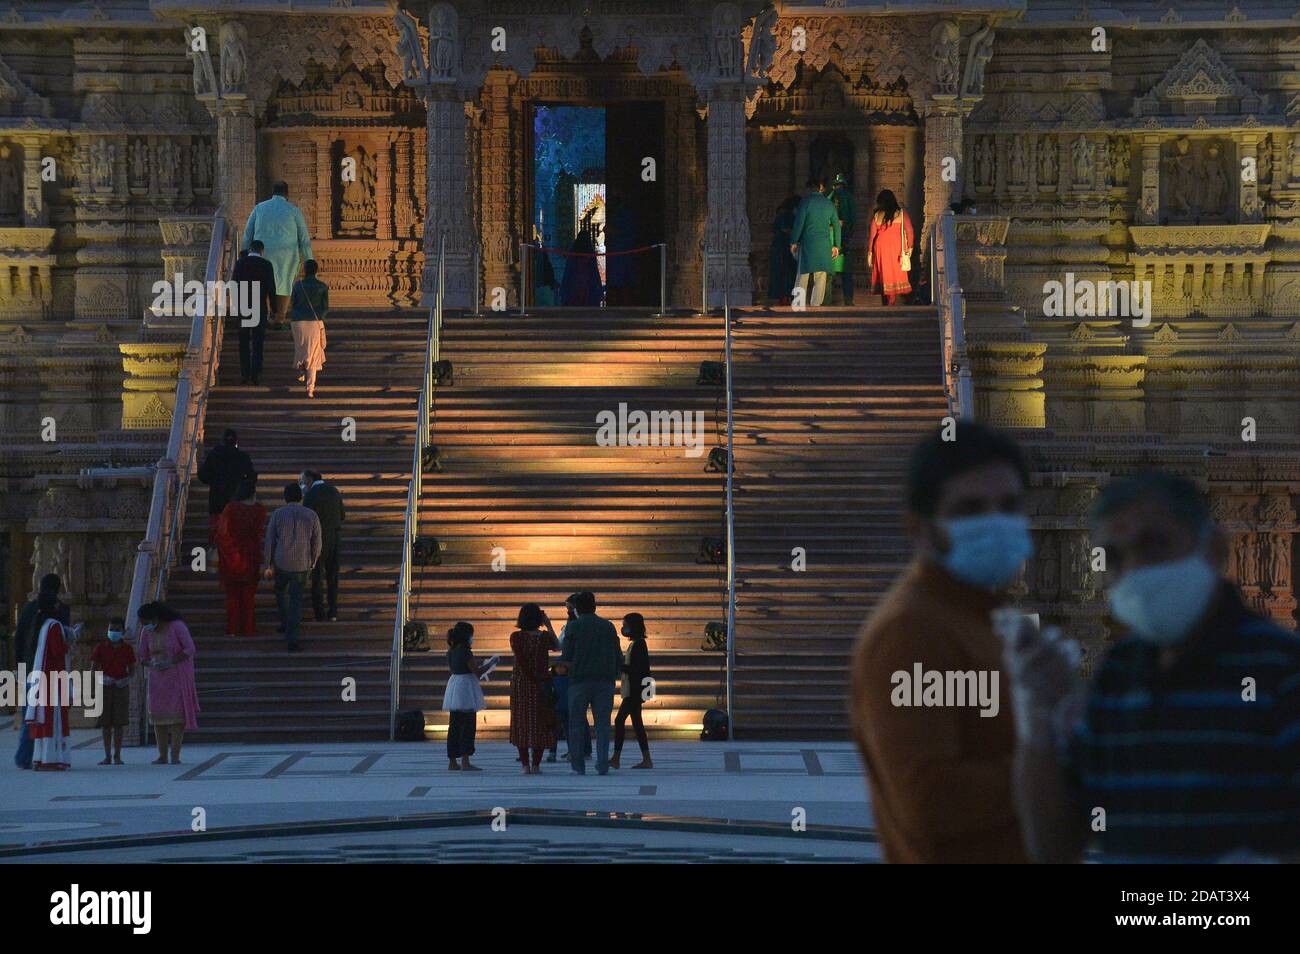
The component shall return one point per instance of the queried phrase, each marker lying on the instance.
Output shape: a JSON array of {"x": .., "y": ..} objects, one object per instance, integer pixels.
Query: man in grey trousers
[{"x": 592, "y": 650}]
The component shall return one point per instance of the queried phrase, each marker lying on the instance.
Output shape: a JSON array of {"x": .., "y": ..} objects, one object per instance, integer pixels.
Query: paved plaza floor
[{"x": 761, "y": 790}]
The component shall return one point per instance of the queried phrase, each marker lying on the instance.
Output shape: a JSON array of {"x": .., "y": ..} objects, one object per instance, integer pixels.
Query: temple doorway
[{"x": 596, "y": 201}]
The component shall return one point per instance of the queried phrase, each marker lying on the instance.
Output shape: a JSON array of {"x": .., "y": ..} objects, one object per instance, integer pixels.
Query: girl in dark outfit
[
  {"x": 636, "y": 672},
  {"x": 463, "y": 698}
]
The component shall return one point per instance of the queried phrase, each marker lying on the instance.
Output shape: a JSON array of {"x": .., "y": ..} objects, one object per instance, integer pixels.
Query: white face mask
[{"x": 1160, "y": 604}]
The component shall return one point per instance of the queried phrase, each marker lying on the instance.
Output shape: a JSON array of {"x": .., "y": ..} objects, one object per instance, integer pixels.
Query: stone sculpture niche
[
  {"x": 1195, "y": 183},
  {"x": 355, "y": 209}
]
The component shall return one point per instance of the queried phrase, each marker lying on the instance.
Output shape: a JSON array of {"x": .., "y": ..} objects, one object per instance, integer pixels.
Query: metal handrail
[
  {"x": 731, "y": 467},
  {"x": 414, "y": 489},
  {"x": 951, "y": 303},
  {"x": 174, "y": 472}
]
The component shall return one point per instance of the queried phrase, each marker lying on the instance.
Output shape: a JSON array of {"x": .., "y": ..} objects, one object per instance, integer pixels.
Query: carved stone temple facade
[{"x": 1099, "y": 141}]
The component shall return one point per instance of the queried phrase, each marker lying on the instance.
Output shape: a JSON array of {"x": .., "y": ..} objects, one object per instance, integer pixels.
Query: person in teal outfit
[
  {"x": 279, "y": 224},
  {"x": 815, "y": 240},
  {"x": 842, "y": 199}
]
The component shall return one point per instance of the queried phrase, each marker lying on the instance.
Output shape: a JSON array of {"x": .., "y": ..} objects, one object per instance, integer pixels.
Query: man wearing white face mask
[
  {"x": 940, "y": 771},
  {"x": 1188, "y": 739}
]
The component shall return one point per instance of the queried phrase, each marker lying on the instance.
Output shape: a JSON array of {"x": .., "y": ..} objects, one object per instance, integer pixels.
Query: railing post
[
  {"x": 663, "y": 280},
  {"x": 478, "y": 279},
  {"x": 704, "y": 278},
  {"x": 523, "y": 279},
  {"x": 731, "y": 511}
]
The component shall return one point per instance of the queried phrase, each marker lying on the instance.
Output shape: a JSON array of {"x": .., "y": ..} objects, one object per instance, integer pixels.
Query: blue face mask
[
  {"x": 987, "y": 550},
  {"x": 1160, "y": 604},
  {"x": 115, "y": 635}
]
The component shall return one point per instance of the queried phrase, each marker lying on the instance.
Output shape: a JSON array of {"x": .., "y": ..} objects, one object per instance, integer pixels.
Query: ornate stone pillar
[
  {"x": 499, "y": 240},
  {"x": 35, "y": 215},
  {"x": 1248, "y": 202},
  {"x": 323, "y": 227},
  {"x": 384, "y": 193},
  {"x": 1148, "y": 210},
  {"x": 236, "y": 160},
  {"x": 727, "y": 226},
  {"x": 943, "y": 142},
  {"x": 447, "y": 199}
]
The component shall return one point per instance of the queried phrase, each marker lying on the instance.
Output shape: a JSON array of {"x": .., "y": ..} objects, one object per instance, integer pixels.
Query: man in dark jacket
[
  {"x": 223, "y": 470},
  {"x": 257, "y": 280},
  {"x": 327, "y": 502},
  {"x": 595, "y": 659}
]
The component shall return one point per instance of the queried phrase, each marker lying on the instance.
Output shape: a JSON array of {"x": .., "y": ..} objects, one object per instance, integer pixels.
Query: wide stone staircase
[
  {"x": 827, "y": 407},
  {"x": 528, "y": 507},
  {"x": 253, "y": 689}
]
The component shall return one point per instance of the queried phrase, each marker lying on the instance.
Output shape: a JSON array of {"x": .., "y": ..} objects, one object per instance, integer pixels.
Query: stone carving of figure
[
  {"x": 945, "y": 48},
  {"x": 103, "y": 155},
  {"x": 1279, "y": 561},
  {"x": 1214, "y": 179},
  {"x": 169, "y": 162},
  {"x": 1247, "y": 561},
  {"x": 63, "y": 560},
  {"x": 409, "y": 47},
  {"x": 1293, "y": 159},
  {"x": 762, "y": 43},
  {"x": 98, "y": 567},
  {"x": 139, "y": 163},
  {"x": 1081, "y": 155},
  {"x": 984, "y": 162},
  {"x": 352, "y": 97},
  {"x": 201, "y": 164},
  {"x": 11, "y": 186},
  {"x": 357, "y": 205},
  {"x": 1182, "y": 178},
  {"x": 1119, "y": 162},
  {"x": 125, "y": 559},
  {"x": 981, "y": 51},
  {"x": 444, "y": 43},
  {"x": 234, "y": 58},
  {"x": 39, "y": 560},
  {"x": 205, "y": 79},
  {"x": 728, "y": 48},
  {"x": 1264, "y": 165},
  {"x": 1047, "y": 161},
  {"x": 1017, "y": 173}
]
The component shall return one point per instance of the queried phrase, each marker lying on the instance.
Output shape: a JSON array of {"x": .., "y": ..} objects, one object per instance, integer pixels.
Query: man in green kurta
[
  {"x": 279, "y": 224},
  {"x": 815, "y": 240},
  {"x": 842, "y": 199}
]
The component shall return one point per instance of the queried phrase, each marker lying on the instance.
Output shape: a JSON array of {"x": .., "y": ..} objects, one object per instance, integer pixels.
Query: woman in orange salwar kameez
[{"x": 890, "y": 238}]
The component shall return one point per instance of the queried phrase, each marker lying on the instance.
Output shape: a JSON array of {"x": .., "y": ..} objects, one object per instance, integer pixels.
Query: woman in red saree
[
  {"x": 889, "y": 248},
  {"x": 50, "y": 693},
  {"x": 240, "y": 531}
]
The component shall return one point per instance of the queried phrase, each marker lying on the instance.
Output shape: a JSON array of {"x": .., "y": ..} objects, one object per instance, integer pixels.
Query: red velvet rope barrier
[{"x": 560, "y": 251}]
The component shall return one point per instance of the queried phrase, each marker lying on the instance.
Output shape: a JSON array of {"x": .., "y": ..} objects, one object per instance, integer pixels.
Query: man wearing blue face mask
[
  {"x": 1187, "y": 743},
  {"x": 939, "y": 768}
]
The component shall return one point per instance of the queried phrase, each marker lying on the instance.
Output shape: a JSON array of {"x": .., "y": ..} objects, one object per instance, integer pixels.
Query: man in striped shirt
[{"x": 1187, "y": 744}]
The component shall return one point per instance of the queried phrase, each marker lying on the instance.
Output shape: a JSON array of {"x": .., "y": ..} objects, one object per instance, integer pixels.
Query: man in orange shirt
[{"x": 931, "y": 714}]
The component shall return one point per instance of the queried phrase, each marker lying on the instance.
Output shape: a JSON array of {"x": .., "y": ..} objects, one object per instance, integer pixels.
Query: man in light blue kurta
[{"x": 279, "y": 224}]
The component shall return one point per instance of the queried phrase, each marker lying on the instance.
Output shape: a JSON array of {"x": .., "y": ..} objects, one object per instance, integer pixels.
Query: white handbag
[{"x": 905, "y": 254}]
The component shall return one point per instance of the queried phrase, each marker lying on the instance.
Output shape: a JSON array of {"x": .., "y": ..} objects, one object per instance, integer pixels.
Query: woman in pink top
[{"x": 167, "y": 652}]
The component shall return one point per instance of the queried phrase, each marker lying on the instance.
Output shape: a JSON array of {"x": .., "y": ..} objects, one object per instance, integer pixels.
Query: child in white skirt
[{"x": 463, "y": 698}]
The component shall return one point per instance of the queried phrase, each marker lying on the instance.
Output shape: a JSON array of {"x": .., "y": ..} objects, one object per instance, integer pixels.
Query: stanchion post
[
  {"x": 663, "y": 280},
  {"x": 523, "y": 278}
]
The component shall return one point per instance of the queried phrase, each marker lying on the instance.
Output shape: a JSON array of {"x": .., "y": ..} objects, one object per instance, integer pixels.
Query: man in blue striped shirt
[{"x": 1187, "y": 744}]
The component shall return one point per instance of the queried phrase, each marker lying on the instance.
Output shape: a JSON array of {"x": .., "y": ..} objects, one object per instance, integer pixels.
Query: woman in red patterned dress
[
  {"x": 532, "y": 709},
  {"x": 889, "y": 248}
]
